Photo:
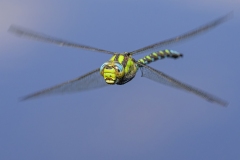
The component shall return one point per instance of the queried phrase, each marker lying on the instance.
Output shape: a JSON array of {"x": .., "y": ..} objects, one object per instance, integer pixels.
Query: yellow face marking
[
  {"x": 109, "y": 75},
  {"x": 113, "y": 70}
]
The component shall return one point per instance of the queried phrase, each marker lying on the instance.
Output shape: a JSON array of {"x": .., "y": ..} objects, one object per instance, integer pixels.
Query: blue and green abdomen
[{"x": 160, "y": 55}]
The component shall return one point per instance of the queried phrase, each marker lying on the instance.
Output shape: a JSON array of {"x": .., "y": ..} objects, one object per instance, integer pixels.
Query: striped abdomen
[{"x": 160, "y": 55}]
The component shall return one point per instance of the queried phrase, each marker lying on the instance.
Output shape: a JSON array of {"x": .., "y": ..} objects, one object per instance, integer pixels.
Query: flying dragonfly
[{"x": 122, "y": 67}]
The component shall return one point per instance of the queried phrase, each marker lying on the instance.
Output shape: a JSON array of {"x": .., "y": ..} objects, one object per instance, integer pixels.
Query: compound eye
[
  {"x": 102, "y": 67},
  {"x": 118, "y": 66}
]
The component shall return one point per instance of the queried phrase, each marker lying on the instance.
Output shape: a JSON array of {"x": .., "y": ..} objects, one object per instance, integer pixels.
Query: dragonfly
[{"x": 122, "y": 67}]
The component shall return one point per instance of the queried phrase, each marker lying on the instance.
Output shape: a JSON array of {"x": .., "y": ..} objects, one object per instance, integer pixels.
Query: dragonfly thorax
[{"x": 112, "y": 71}]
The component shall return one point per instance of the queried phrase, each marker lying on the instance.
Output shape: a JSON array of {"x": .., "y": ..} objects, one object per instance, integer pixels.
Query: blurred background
[{"x": 140, "y": 120}]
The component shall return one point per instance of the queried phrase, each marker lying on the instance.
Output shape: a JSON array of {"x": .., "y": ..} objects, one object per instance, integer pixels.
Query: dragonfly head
[{"x": 112, "y": 72}]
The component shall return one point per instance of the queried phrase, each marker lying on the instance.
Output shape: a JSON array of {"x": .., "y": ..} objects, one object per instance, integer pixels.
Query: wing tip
[
  {"x": 219, "y": 102},
  {"x": 14, "y": 29},
  {"x": 228, "y": 16},
  {"x": 21, "y": 99},
  {"x": 224, "y": 104}
]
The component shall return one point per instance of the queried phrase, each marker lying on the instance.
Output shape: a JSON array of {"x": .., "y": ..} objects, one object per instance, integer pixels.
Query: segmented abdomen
[{"x": 160, "y": 55}]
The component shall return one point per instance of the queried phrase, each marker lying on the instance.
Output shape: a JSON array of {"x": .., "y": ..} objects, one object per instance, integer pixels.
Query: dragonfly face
[{"x": 112, "y": 72}]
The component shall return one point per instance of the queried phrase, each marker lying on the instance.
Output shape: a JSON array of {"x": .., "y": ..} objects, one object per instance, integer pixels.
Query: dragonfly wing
[
  {"x": 88, "y": 81},
  {"x": 180, "y": 38},
  {"x": 41, "y": 37},
  {"x": 161, "y": 77}
]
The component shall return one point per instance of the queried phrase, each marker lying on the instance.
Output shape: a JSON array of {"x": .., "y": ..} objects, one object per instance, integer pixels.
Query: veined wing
[
  {"x": 161, "y": 77},
  {"x": 180, "y": 38},
  {"x": 88, "y": 81},
  {"x": 41, "y": 37}
]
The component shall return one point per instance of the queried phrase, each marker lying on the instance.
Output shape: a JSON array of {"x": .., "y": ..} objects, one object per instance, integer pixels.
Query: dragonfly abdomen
[{"x": 160, "y": 55}]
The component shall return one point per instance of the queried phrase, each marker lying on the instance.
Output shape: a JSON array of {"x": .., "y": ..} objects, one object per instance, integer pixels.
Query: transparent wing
[
  {"x": 41, "y": 37},
  {"x": 88, "y": 81},
  {"x": 156, "y": 46},
  {"x": 161, "y": 77}
]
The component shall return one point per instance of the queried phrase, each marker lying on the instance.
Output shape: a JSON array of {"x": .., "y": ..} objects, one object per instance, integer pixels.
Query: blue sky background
[{"x": 140, "y": 120}]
